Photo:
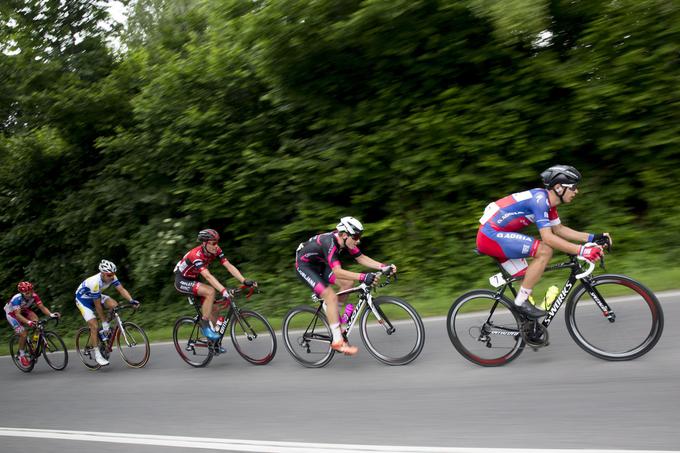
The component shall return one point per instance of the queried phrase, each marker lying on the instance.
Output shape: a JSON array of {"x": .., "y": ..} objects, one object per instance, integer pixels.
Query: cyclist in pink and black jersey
[
  {"x": 19, "y": 313},
  {"x": 498, "y": 234},
  {"x": 317, "y": 263},
  {"x": 196, "y": 263}
]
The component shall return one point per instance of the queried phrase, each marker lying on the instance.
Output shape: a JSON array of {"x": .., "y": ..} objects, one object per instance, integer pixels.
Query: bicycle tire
[
  {"x": 257, "y": 328},
  {"x": 52, "y": 349},
  {"x": 476, "y": 328},
  {"x": 136, "y": 337},
  {"x": 637, "y": 313},
  {"x": 189, "y": 344},
  {"x": 299, "y": 341},
  {"x": 411, "y": 331},
  {"x": 86, "y": 349},
  {"x": 14, "y": 352}
]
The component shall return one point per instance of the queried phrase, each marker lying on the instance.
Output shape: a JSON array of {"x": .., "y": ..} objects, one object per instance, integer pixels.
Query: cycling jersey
[
  {"x": 20, "y": 303},
  {"x": 316, "y": 258},
  {"x": 502, "y": 219},
  {"x": 91, "y": 289},
  {"x": 196, "y": 260}
]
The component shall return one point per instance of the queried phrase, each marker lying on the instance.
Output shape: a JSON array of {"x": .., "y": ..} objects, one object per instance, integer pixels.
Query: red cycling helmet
[
  {"x": 24, "y": 287},
  {"x": 208, "y": 235}
]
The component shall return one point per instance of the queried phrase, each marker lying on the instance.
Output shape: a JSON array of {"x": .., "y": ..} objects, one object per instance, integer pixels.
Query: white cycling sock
[
  {"x": 21, "y": 353},
  {"x": 522, "y": 295},
  {"x": 337, "y": 335}
]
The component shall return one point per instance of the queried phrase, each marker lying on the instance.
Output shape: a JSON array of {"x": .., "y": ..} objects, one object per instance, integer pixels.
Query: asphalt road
[{"x": 555, "y": 398}]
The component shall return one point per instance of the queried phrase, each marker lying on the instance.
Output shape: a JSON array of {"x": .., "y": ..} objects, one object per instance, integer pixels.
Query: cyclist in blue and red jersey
[
  {"x": 196, "y": 263},
  {"x": 19, "y": 313},
  {"x": 317, "y": 263},
  {"x": 498, "y": 234}
]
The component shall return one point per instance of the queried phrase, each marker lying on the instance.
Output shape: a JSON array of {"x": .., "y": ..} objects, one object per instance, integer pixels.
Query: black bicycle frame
[{"x": 569, "y": 284}]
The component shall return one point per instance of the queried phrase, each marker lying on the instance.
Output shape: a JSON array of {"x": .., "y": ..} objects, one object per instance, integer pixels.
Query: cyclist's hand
[
  {"x": 227, "y": 294},
  {"x": 389, "y": 269},
  {"x": 134, "y": 302},
  {"x": 603, "y": 239},
  {"x": 55, "y": 314},
  {"x": 591, "y": 252},
  {"x": 371, "y": 279},
  {"x": 248, "y": 282},
  {"x": 31, "y": 323}
]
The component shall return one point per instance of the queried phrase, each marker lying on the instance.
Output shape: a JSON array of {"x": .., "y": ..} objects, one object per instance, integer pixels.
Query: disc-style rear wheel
[
  {"x": 307, "y": 336},
  {"x": 484, "y": 337},
  {"x": 85, "y": 348},
  {"x": 14, "y": 352},
  {"x": 194, "y": 348}
]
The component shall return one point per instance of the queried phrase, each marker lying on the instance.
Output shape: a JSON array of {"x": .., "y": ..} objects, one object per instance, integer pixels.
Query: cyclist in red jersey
[{"x": 196, "y": 263}]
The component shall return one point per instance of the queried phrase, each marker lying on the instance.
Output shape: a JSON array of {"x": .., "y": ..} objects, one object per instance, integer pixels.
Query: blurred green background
[{"x": 269, "y": 120}]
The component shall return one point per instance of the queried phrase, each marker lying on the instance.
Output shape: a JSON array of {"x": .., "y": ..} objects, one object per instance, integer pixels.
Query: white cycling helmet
[
  {"x": 107, "y": 266},
  {"x": 350, "y": 225}
]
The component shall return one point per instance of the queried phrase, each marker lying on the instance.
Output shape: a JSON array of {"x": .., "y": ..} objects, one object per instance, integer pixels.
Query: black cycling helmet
[
  {"x": 560, "y": 174},
  {"x": 208, "y": 235}
]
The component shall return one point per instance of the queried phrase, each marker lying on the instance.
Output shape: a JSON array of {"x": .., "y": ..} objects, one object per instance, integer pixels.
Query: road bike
[
  {"x": 390, "y": 328},
  {"x": 610, "y": 316},
  {"x": 131, "y": 340},
  {"x": 41, "y": 342},
  {"x": 251, "y": 334}
]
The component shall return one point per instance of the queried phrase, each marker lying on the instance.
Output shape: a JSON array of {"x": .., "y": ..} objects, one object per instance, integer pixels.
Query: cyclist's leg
[
  {"x": 19, "y": 329},
  {"x": 537, "y": 266},
  {"x": 90, "y": 318},
  {"x": 343, "y": 284},
  {"x": 207, "y": 294},
  {"x": 109, "y": 302}
]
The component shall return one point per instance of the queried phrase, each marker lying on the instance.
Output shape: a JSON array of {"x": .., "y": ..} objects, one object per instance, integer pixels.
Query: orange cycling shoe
[{"x": 344, "y": 347}]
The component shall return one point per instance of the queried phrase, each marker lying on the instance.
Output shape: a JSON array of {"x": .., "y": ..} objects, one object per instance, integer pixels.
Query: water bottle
[
  {"x": 550, "y": 297},
  {"x": 219, "y": 324},
  {"x": 344, "y": 319},
  {"x": 35, "y": 336}
]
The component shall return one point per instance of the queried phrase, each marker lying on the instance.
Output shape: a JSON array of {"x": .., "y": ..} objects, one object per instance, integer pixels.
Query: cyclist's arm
[
  {"x": 369, "y": 262},
  {"x": 556, "y": 242},
  {"x": 210, "y": 278},
  {"x": 233, "y": 271},
  {"x": 569, "y": 234},
  {"x": 44, "y": 309},
  {"x": 123, "y": 292},
  {"x": 345, "y": 274}
]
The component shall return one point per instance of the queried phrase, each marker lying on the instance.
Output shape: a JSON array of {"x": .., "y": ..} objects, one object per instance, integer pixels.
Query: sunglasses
[
  {"x": 570, "y": 186},
  {"x": 355, "y": 236}
]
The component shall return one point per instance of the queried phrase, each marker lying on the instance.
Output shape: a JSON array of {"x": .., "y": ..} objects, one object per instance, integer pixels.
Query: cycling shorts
[
  {"x": 86, "y": 307},
  {"x": 505, "y": 244},
  {"x": 317, "y": 276},
  {"x": 186, "y": 285},
  {"x": 14, "y": 322}
]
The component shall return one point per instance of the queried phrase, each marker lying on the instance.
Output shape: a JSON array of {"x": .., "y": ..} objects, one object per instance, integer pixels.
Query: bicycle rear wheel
[
  {"x": 85, "y": 348},
  {"x": 133, "y": 345},
  {"x": 14, "y": 352},
  {"x": 307, "y": 336},
  {"x": 54, "y": 351},
  {"x": 253, "y": 337},
  {"x": 394, "y": 334},
  {"x": 482, "y": 337},
  {"x": 629, "y": 330},
  {"x": 190, "y": 343}
]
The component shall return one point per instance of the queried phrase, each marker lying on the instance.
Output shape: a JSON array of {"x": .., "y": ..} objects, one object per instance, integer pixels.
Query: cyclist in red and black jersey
[
  {"x": 196, "y": 263},
  {"x": 317, "y": 263}
]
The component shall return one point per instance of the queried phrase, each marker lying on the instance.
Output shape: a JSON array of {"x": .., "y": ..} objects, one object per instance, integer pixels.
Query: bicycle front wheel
[
  {"x": 307, "y": 336},
  {"x": 54, "y": 351},
  {"x": 133, "y": 345},
  {"x": 85, "y": 348},
  {"x": 14, "y": 352},
  {"x": 484, "y": 329},
  {"x": 191, "y": 345},
  {"x": 392, "y": 331},
  {"x": 629, "y": 329},
  {"x": 253, "y": 337}
]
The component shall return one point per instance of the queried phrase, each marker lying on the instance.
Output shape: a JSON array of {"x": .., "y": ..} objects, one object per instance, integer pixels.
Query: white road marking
[{"x": 266, "y": 446}]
